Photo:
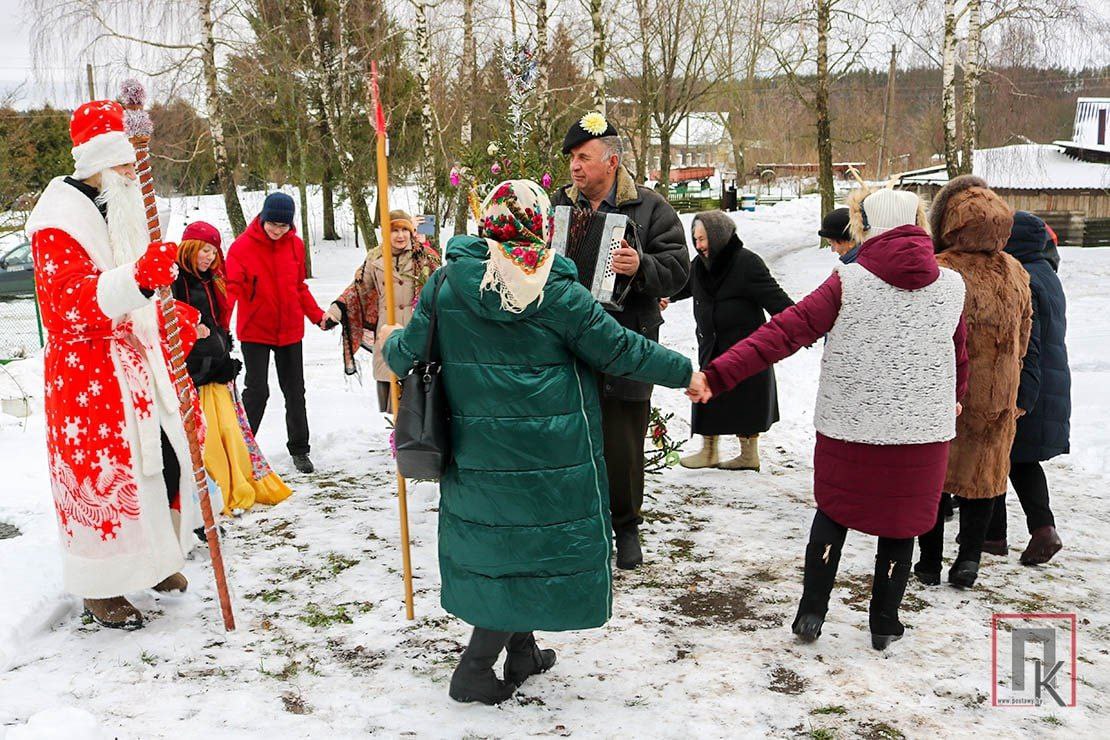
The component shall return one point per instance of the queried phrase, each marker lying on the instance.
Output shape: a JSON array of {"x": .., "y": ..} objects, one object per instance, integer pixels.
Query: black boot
[
  {"x": 963, "y": 573},
  {"x": 525, "y": 658},
  {"x": 822, "y": 560},
  {"x": 474, "y": 679},
  {"x": 629, "y": 554},
  {"x": 303, "y": 464},
  {"x": 929, "y": 564},
  {"x": 887, "y": 589}
]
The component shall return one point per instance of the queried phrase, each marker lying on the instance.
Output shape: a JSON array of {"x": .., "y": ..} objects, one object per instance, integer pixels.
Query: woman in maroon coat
[{"x": 893, "y": 371}]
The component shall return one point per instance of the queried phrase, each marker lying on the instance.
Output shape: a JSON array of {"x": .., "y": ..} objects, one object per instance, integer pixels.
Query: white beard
[
  {"x": 127, "y": 229},
  {"x": 129, "y": 236}
]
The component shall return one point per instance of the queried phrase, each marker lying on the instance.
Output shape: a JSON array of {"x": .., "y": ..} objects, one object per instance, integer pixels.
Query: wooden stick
[
  {"x": 390, "y": 318},
  {"x": 181, "y": 382}
]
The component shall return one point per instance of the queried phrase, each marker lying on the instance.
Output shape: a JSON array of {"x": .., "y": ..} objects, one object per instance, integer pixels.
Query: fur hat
[
  {"x": 967, "y": 216},
  {"x": 871, "y": 212},
  {"x": 402, "y": 219},
  {"x": 99, "y": 141}
]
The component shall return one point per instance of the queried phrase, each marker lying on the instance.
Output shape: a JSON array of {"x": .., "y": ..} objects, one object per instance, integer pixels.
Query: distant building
[{"x": 1067, "y": 183}]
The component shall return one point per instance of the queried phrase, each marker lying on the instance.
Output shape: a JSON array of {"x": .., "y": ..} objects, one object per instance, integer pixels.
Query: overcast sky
[{"x": 62, "y": 82}]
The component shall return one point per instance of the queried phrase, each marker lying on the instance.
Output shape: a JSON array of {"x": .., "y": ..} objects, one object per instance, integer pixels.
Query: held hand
[
  {"x": 386, "y": 329},
  {"x": 959, "y": 408},
  {"x": 663, "y": 303},
  {"x": 699, "y": 392},
  {"x": 203, "y": 332},
  {"x": 157, "y": 268},
  {"x": 1021, "y": 412},
  {"x": 626, "y": 260}
]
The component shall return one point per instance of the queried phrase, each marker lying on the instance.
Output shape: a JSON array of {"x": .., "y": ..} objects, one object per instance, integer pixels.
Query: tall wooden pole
[
  {"x": 884, "y": 153},
  {"x": 139, "y": 128},
  {"x": 390, "y": 318},
  {"x": 89, "y": 80}
]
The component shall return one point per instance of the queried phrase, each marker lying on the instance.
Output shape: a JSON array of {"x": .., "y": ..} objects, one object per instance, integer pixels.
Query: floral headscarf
[{"x": 516, "y": 223}]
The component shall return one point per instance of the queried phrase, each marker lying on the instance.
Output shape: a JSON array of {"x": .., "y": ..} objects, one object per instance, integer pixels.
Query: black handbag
[{"x": 423, "y": 430}]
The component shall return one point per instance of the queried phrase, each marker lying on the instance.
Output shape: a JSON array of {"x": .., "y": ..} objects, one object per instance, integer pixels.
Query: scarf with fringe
[{"x": 516, "y": 223}]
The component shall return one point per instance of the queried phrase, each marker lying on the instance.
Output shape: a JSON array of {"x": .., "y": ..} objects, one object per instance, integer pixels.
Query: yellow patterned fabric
[{"x": 227, "y": 458}]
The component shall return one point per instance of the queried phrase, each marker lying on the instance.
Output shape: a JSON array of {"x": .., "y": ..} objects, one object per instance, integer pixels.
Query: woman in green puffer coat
[{"x": 524, "y": 529}]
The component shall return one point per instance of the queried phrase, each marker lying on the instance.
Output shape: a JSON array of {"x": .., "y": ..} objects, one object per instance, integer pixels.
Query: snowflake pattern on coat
[{"x": 91, "y": 464}]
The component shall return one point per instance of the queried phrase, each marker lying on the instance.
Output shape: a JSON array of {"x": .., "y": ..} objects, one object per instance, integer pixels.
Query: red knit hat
[
  {"x": 99, "y": 142},
  {"x": 202, "y": 231}
]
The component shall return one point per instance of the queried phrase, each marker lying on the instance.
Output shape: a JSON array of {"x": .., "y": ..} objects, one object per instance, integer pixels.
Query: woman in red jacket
[
  {"x": 265, "y": 277},
  {"x": 893, "y": 370}
]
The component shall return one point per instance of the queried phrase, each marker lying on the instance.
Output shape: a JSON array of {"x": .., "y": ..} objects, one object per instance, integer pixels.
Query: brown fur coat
[{"x": 970, "y": 227}]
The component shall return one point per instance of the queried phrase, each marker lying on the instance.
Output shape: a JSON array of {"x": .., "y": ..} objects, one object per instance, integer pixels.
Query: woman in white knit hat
[{"x": 893, "y": 370}]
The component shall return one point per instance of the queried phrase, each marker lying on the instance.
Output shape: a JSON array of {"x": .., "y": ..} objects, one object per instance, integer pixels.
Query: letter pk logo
[{"x": 1037, "y": 639}]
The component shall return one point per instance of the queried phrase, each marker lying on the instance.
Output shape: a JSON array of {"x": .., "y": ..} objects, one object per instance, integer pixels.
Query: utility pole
[
  {"x": 883, "y": 153},
  {"x": 89, "y": 79}
]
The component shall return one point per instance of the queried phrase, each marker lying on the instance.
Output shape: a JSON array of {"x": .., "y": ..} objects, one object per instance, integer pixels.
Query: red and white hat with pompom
[{"x": 99, "y": 141}]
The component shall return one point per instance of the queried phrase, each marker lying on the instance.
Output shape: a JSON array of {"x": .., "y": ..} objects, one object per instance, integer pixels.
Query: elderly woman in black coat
[
  {"x": 1043, "y": 431},
  {"x": 732, "y": 288}
]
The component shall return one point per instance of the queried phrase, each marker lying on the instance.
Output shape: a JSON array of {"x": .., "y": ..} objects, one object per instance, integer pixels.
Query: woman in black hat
[{"x": 834, "y": 227}]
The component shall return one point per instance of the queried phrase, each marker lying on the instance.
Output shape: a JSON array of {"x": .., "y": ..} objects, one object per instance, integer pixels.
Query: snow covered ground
[{"x": 699, "y": 644}]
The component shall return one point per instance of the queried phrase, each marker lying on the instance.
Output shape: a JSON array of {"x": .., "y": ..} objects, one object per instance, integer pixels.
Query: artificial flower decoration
[
  {"x": 594, "y": 122},
  {"x": 546, "y": 181},
  {"x": 455, "y": 177},
  {"x": 495, "y": 168},
  {"x": 492, "y": 149}
]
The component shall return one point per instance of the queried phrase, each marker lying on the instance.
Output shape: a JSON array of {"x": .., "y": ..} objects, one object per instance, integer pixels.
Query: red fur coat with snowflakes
[{"x": 108, "y": 400}]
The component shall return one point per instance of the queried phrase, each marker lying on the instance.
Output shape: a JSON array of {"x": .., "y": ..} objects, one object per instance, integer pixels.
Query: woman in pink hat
[{"x": 231, "y": 455}]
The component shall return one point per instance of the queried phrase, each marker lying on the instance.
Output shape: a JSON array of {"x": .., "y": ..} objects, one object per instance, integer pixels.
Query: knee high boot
[
  {"x": 822, "y": 561},
  {"x": 474, "y": 679},
  {"x": 708, "y": 457},
  {"x": 887, "y": 589},
  {"x": 928, "y": 566}
]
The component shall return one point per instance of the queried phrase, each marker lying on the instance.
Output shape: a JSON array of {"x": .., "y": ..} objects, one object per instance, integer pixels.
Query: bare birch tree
[{"x": 169, "y": 46}]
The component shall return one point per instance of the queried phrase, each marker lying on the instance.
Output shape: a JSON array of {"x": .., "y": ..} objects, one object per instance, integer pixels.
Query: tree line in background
[{"x": 282, "y": 87}]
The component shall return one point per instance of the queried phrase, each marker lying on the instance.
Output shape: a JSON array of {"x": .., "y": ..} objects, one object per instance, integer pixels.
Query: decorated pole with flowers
[
  {"x": 139, "y": 129},
  {"x": 391, "y": 318}
]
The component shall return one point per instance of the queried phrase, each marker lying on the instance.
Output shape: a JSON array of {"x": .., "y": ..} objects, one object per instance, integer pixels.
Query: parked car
[{"x": 17, "y": 271}]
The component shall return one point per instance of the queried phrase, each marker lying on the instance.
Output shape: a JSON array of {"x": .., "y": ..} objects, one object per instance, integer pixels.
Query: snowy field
[{"x": 699, "y": 644}]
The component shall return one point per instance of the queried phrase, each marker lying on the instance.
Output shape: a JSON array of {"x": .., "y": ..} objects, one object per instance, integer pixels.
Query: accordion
[{"x": 589, "y": 238}]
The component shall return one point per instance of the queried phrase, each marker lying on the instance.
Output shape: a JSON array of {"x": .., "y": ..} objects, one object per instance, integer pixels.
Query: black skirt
[{"x": 748, "y": 409}]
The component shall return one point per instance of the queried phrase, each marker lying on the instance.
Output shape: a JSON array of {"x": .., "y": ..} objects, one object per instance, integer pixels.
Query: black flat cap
[
  {"x": 593, "y": 125},
  {"x": 835, "y": 225}
]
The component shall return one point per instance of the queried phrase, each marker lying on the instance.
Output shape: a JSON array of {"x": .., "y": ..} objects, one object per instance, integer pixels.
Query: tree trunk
[
  {"x": 327, "y": 182},
  {"x": 821, "y": 109},
  {"x": 888, "y": 105},
  {"x": 971, "y": 84},
  {"x": 428, "y": 196},
  {"x": 467, "y": 84},
  {"x": 543, "y": 95},
  {"x": 216, "y": 123},
  {"x": 664, "y": 162},
  {"x": 597, "y": 22},
  {"x": 302, "y": 187},
  {"x": 346, "y": 166},
  {"x": 948, "y": 86}
]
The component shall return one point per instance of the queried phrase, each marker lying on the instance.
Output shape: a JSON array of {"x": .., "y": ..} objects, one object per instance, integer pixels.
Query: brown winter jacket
[{"x": 970, "y": 227}]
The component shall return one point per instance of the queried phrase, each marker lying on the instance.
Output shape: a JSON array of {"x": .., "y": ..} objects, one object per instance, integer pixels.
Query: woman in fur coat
[
  {"x": 971, "y": 225},
  {"x": 892, "y": 374}
]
